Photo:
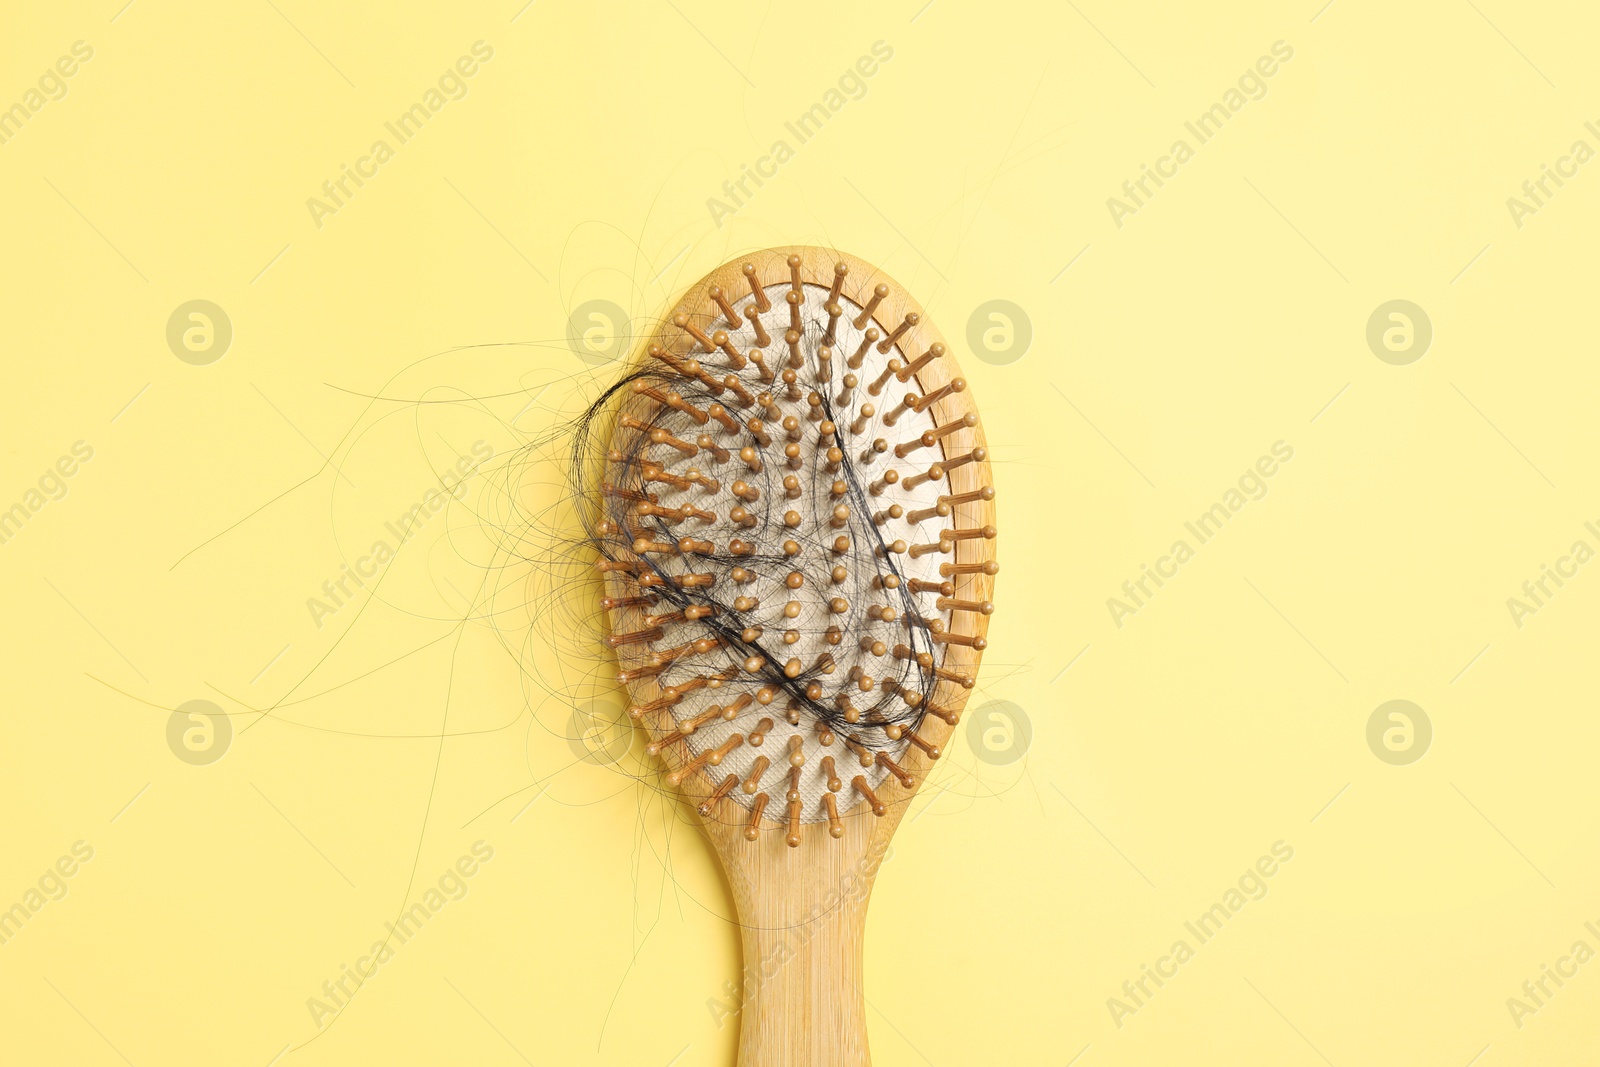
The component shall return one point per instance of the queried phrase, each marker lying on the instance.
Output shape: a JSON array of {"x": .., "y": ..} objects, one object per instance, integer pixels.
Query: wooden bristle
[
  {"x": 911, "y": 319},
  {"x": 794, "y": 299},
  {"x": 985, "y": 532},
  {"x": 861, "y": 786},
  {"x": 934, "y": 352},
  {"x": 955, "y": 385},
  {"x": 894, "y": 413},
  {"x": 712, "y": 714},
  {"x": 676, "y": 777},
  {"x": 611, "y": 603},
  {"x": 978, "y": 607},
  {"x": 977, "y": 455},
  {"x": 763, "y": 305},
  {"x": 901, "y": 774},
  {"x": 686, "y": 324},
  {"x": 835, "y": 827},
  {"x": 696, "y": 370},
  {"x": 735, "y": 360},
  {"x": 763, "y": 339},
  {"x": 721, "y": 752},
  {"x": 867, "y": 339},
  {"x": 635, "y": 638},
  {"x": 985, "y": 493},
  {"x": 932, "y": 437},
  {"x": 834, "y": 784},
  {"x": 840, "y": 270},
  {"x": 662, "y": 437},
  {"x": 950, "y": 570},
  {"x": 657, "y": 352},
  {"x": 709, "y": 804},
  {"x": 759, "y": 358},
  {"x": 878, "y": 294},
  {"x": 932, "y": 474},
  {"x": 708, "y": 444},
  {"x": 834, "y": 311},
  {"x": 752, "y": 781},
  {"x": 969, "y": 640},
  {"x": 721, "y": 300},
  {"x": 752, "y": 829}
]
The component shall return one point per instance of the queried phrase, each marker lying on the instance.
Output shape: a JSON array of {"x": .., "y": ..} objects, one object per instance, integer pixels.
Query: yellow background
[{"x": 1168, "y": 754}]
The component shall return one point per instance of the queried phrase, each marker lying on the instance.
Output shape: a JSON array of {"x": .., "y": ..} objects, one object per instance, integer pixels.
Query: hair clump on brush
[{"x": 771, "y": 506}]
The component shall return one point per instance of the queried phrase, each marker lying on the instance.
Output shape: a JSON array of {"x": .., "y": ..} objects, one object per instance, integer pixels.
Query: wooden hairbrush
[{"x": 796, "y": 529}]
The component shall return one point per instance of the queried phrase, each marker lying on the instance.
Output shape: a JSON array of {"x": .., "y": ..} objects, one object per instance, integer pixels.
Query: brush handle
[
  {"x": 807, "y": 1008},
  {"x": 802, "y": 913}
]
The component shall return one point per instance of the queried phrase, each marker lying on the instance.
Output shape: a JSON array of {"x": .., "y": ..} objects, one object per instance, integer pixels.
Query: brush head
[{"x": 796, "y": 526}]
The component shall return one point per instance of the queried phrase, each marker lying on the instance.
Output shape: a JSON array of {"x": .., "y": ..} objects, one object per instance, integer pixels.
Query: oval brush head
[{"x": 796, "y": 528}]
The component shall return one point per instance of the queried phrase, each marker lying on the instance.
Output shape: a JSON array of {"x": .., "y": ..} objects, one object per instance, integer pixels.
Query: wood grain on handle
[{"x": 802, "y": 913}]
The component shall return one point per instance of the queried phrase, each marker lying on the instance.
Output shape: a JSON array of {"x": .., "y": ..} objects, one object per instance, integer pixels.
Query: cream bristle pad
[{"x": 795, "y": 525}]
